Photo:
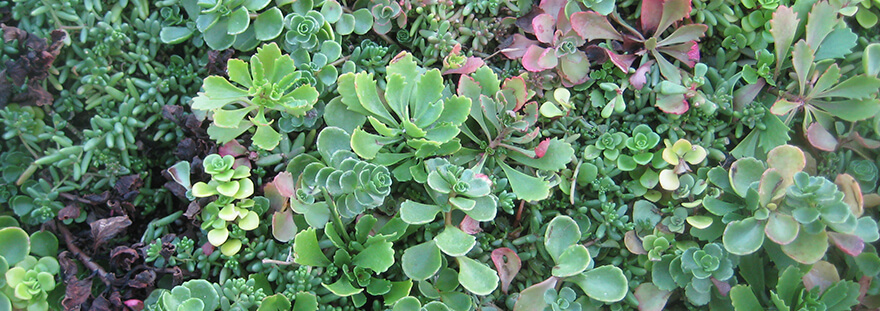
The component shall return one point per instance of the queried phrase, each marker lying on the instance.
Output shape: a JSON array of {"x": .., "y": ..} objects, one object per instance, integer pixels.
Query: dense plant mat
[{"x": 439, "y": 155}]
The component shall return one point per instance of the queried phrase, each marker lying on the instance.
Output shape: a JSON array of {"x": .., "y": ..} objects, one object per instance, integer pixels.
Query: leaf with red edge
[
  {"x": 850, "y": 244},
  {"x": 284, "y": 184},
  {"x": 469, "y": 225},
  {"x": 622, "y": 61},
  {"x": 688, "y": 52},
  {"x": 469, "y": 67},
  {"x": 593, "y": 26},
  {"x": 538, "y": 59},
  {"x": 544, "y": 26},
  {"x": 822, "y": 274},
  {"x": 673, "y": 11},
  {"x": 552, "y": 7},
  {"x": 683, "y": 34},
  {"x": 674, "y": 104},
  {"x": 852, "y": 193},
  {"x": 283, "y": 227},
  {"x": 507, "y": 263},
  {"x": 723, "y": 287},
  {"x": 640, "y": 77},
  {"x": 820, "y": 138},
  {"x": 651, "y": 12},
  {"x": 519, "y": 46},
  {"x": 651, "y": 298},
  {"x": 575, "y": 68}
]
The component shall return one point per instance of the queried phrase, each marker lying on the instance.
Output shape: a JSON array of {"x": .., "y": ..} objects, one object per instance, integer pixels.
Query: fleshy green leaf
[
  {"x": 743, "y": 237},
  {"x": 268, "y": 24},
  {"x": 307, "y": 251},
  {"x": 476, "y": 277},
  {"x": 561, "y": 233},
  {"x": 455, "y": 242},
  {"x": 16, "y": 243},
  {"x": 605, "y": 283},
  {"x": 807, "y": 248},
  {"x": 524, "y": 186},
  {"x": 532, "y": 298},
  {"x": 421, "y": 261},
  {"x": 342, "y": 288},
  {"x": 572, "y": 261},
  {"x": 415, "y": 213}
]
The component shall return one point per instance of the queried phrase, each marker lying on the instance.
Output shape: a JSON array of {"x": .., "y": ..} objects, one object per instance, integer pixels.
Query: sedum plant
[
  {"x": 196, "y": 295},
  {"x": 697, "y": 270},
  {"x": 224, "y": 23},
  {"x": 25, "y": 281},
  {"x": 504, "y": 130},
  {"x": 453, "y": 189},
  {"x": 789, "y": 207},
  {"x": 679, "y": 154},
  {"x": 338, "y": 185},
  {"x": 411, "y": 119},
  {"x": 573, "y": 264},
  {"x": 228, "y": 183},
  {"x": 268, "y": 82}
]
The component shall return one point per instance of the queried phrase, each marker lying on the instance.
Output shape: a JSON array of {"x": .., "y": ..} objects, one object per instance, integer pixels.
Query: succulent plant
[
  {"x": 198, "y": 295},
  {"x": 696, "y": 270},
  {"x": 865, "y": 171},
  {"x": 564, "y": 300},
  {"x": 608, "y": 145},
  {"x": 412, "y": 121},
  {"x": 26, "y": 281},
  {"x": 503, "y": 127},
  {"x": 224, "y": 23},
  {"x": 268, "y": 83},
  {"x": 384, "y": 11},
  {"x": 679, "y": 154},
  {"x": 554, "y": 30},
  {"x": 305, "y": 31}
]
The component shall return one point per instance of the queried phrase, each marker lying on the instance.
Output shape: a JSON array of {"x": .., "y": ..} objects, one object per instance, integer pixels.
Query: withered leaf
[
  {"x": 71, "y": 211},
  {"x": 77, "y": 293},
  {"x": 105, "y": 229},
  {"x": 143, "y": 280},
  {"x": 123, "y": 257}
]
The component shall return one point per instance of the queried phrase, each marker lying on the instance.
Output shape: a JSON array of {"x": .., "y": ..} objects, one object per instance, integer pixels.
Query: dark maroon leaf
[
  {"x": 123, "y": 257},
  {"x": 146, "y": 278},
  {"x": 76, "y": 293},
  {"x": 105, "y": 229},
  {"x": 217, "y": 61},
  {"x": 70, "y": 211},
  {"x": 100, "y": 304},
  {"x": 127, "y": 184},
  {"x": 68, "y": 265},
  {"x": 192, "y": 210}
]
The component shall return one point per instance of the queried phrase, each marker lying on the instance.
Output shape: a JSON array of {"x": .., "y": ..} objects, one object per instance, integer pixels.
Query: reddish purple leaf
[
  {"x": 284, "y": 183},
  {"x": 688, "y": 53},
  {"x": 820, "y": 138},
  {"x": 723, "y": 287},
  {"x": 519, "y": 46},
  {"x": 652, "y": 11},
  {"x": 544, "y": 26},
  {"x": 674, "y": 104},
  {"x": 622, "y": 61},
  {"x": 469, "y": 225},
  {"x": 850, "y": 244},
  {"x": 508, "y": 264},
  {"x": 822, "y": 274},
  {"x": 283, "y": 227},
  {"x": 639, "y": 78},
  {"x": 593, "y": 26},
  {"x": 651, "y": 298},
  {"x": 469, "y": 67},
  {"x": 553, "y": 7},
  {"x": 233, "y": 148},
  {"x": 538, "y": 59}
]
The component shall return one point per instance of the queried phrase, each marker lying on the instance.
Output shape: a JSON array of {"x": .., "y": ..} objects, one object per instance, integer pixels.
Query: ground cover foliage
[{"x": 439, "y": 155}]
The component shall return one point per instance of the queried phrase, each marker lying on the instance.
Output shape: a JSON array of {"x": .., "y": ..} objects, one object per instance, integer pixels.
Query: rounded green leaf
[
  {"x": 343, "y": 288},
  {"x": 277, "y": 302},
  {"x": 415, "y": 213},
  {"x": 231, "y": 247},
  {"x": 532, "y": 298},
  {"x": 574, "y": 260},
  {"x": 268, "y": 24},
  {"x": 250, "y": 221},
  {"x": 743, "y": 173},
  {"x": 174, "y": 35},
  {"x": 44, "y": 243},
  {"x": 807, "y": 248},
  {"x": 363, "y": 21},
  {"x": 218, "y": 236},
  {"x": 239, "y": 21},
  {"x": 204, "y": 291},
  {"x": 16, "y": 245},
  {"x": 345, "y": 25},
  {"x": 305, "y": 246},
  {"x": 743, "y": 237},
  {"x": 476, "y": 277},
  {"x": 781, "y": 229},
  {"x": 605, "y": 283},
  {"x": 5, "y": 304},
  {"x": 455, "y": 242},
  {"x": 407, "y": 303},
  {"x": 22, "y": 205},
  {"x": 422, "y": 261},
  {"x": 561, "y": 233}
]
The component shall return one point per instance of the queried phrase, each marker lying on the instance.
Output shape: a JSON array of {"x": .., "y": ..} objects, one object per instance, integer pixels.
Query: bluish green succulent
[{"x": 695, "y": 270}]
